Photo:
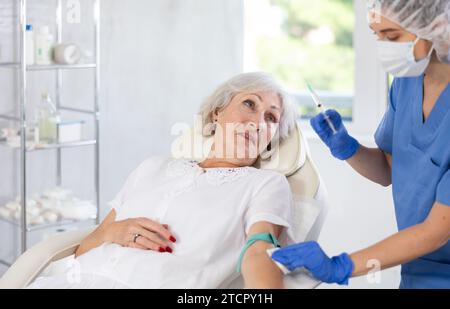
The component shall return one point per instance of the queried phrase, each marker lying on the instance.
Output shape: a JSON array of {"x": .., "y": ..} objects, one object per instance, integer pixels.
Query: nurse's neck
[{"x": 438, "y": 72}]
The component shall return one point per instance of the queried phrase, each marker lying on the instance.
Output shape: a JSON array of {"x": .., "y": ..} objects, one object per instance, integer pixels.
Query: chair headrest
[{"x": 286, "y": 159}]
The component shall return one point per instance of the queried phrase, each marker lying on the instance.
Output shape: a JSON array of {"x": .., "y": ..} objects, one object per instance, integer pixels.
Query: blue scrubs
[{"x": 420, "y": 171}]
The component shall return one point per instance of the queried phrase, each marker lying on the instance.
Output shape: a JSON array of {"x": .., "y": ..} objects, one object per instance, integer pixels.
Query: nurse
[{"x": 413, "y": 152}]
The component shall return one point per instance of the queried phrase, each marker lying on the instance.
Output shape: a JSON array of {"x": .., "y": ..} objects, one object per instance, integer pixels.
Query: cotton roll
[
  {"x": 280, "y": 266},
  {"x": 67, "y": 54}
]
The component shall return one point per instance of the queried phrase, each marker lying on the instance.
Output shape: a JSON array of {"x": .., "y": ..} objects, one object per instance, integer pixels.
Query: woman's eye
[{"x": 249, "y": 103}]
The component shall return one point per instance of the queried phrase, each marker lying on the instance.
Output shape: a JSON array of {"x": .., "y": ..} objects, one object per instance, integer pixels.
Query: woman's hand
[{"x": 151, "y": 235}]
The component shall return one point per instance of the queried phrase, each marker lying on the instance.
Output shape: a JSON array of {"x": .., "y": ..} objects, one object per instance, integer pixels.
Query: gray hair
[{"x": 250, "y": 82}]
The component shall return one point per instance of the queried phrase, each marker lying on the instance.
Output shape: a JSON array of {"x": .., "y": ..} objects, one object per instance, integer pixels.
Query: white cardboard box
[{"x": 70, "y": 131}]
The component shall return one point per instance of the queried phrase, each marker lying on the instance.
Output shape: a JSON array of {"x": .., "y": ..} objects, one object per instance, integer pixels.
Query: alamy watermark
[
  {"x": 374, "y": 11},
  {"x": 73, "y": 11},
  {"x": 374, "y": 274}
]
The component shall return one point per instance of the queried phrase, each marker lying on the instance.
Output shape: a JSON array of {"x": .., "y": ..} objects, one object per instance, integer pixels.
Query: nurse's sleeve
[
  {"x": 443, "y": 190},
  {"x": 385, "y": 132},
  {"x": 127, "y": 187},
  {"x": 271, "y": 202}
]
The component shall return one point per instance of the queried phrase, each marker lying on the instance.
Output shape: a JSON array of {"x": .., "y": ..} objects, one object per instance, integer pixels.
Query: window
[{"x": 326, "y": 43}]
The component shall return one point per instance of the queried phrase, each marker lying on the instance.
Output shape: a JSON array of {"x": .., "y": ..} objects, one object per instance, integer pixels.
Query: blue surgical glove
[
  {"x": 341, "y": 144},
  {"x": 337, "y": 269}
]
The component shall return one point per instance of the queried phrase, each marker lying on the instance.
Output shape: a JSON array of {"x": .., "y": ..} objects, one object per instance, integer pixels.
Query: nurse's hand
[
  {"x": 152, "y": 235},
  {"x": 341, "y": 144},
  {"x": 309, "y": 255}
]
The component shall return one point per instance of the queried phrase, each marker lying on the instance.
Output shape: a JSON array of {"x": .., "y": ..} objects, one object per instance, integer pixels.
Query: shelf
[
  {"x": 20, "y": 68},
  {"x": 61, "y": 223},
  {"x": 5, "y": 263},
  {"x": 77, "y": 110},
  {"x": 9, "y": 65},
  {"x": 83, "y": 143},
  {"x": 61, "y": 67},
  {"x": 61, "y": 108},
  {"x": 8, "y": 117},
  {"x": 15, "y": 65}
]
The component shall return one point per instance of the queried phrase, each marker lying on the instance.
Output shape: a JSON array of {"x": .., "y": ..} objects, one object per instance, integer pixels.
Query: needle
[{"x": 321, "y": 108}]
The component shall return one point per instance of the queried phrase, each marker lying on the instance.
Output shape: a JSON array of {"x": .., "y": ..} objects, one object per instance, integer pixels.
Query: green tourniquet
[{"x": 267, "y": 237}]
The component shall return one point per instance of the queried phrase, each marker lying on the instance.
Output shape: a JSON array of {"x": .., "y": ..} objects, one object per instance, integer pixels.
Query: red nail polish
[
  {"x": 168, "y": 249},
  {"x": 161, "y": 249},
  {"x": 173, "y": 239}
]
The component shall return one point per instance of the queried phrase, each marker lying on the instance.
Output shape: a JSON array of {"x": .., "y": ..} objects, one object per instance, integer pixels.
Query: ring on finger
[{"x": 136, "y": 237}]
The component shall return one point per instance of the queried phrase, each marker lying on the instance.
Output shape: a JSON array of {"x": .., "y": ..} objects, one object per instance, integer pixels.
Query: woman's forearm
[
  {"x": 94, "y": 240},
  {"x": 372, "y": 164},
  {"x": 98, "y": 236},
  {"x": 259, "y": 271},
  {"x": 406, "y": 245}
]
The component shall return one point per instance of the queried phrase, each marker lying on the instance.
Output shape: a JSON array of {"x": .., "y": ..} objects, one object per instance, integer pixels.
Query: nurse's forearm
[
  {"x": 406, "y": 245},
  {"x": 372, "y": 164},
  {"x": 398, "y": 249}
]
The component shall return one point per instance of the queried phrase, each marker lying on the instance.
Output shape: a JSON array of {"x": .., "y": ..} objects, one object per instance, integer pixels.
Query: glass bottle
[{"x": 48, "y": 119}]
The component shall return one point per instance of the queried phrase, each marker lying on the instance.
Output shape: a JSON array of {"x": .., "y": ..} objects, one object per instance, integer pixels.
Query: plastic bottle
[
  {"x": 48, "y": 119},
  {"x": 30, "y": 44},
  {"x": 44, "y": 46}
]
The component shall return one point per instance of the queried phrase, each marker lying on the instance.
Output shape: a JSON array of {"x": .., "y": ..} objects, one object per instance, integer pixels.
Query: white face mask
[{"x": 398, "y": 58}]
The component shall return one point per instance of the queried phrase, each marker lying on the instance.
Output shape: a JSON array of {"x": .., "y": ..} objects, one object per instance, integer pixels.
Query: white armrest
[
  {"x": 322, "y": 199},
  {"x": 30, "y": 264}
]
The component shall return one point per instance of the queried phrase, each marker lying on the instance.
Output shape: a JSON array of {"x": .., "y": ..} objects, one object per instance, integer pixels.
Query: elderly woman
[{"x": 183, "y": 224}]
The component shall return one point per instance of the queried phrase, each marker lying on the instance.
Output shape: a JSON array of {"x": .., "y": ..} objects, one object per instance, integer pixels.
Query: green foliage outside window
[{"x": 315, "y": 45}]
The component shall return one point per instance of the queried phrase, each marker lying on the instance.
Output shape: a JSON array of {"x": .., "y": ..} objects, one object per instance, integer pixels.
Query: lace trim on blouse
[{"x": 188, "y": 171}]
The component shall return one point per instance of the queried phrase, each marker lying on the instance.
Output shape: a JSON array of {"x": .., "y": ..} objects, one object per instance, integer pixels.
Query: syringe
[{"x": 319, "y": 104}]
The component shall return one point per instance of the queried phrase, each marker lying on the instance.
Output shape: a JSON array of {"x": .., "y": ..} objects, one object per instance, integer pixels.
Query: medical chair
[{"x": 292, "y": 159}]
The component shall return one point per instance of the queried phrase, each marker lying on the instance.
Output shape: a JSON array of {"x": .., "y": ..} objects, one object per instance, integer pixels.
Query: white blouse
[{"x": 208, "y": 211}]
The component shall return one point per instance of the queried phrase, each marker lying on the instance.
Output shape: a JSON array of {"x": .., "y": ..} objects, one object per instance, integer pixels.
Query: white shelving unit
[{"x": 23, "y": 70}]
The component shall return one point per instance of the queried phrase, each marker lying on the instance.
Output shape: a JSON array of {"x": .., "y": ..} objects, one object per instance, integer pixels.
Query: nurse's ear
[{"x": 422, "y": 49}]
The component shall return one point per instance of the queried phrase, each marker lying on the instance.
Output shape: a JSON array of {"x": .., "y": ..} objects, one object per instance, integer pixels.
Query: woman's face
[
  {"x": 246, "y": 126},
  {"x": 386, "y": 30}
]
